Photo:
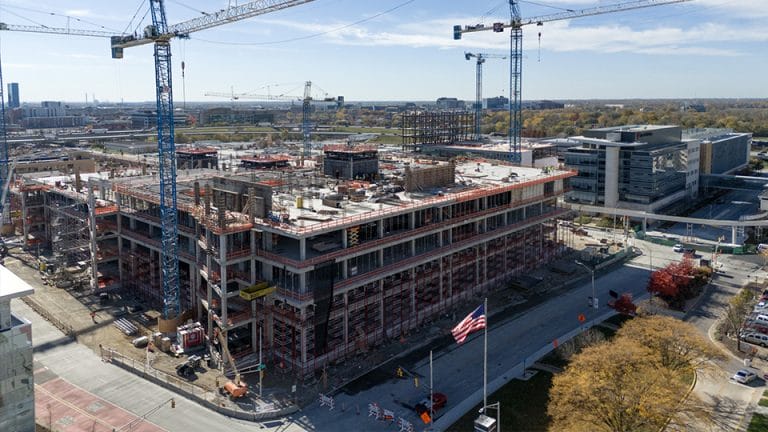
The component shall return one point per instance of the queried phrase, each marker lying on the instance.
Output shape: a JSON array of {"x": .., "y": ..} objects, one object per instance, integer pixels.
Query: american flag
[{"x": 473, "y": 322}]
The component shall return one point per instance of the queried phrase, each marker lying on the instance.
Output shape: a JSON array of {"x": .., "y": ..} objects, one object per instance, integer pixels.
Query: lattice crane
[
  {"x": 306, "y": 109},
  {"x": 479, "y": 85},
  {"x": 160, "y": 34},
  {"x": 515, "y": 25}
]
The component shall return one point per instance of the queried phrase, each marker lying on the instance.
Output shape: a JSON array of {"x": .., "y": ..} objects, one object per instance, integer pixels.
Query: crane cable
[{"x": 314, "y": 35}]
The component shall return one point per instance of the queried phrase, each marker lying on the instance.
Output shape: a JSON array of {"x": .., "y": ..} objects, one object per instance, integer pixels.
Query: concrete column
[
  {"x": 223, "y": 274},
  {"x": 267, "y": 240},
  {"x": 303, "y": 345},
  {"x": 413, "y": 291},
  {"x": 121, "y": 273},
  {"x": 346, "y": 319},
  {"x": 611, "y": 176},
  {"x": 380, "y": 228},
  {"x": 381, "y": 307},
  {"x": 344, "y": 269},
  {"x": 303, "y": 282},
  {"x": 381, "y": 257},
  {"x": 440, "y": 280},
  {"x": 733, "y": 235},
  {"x": 24, "y": 214},
  {"x": 344, "y": 243},
  {"x": 302, "y": 248},
  {"x": 93, "y": 233},
  {"x": 645, "y": 225},
  {"x": 413, "y": 247},
  {"x": 412, "y": 220}
]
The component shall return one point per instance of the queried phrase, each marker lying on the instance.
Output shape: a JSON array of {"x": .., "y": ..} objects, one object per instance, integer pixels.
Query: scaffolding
[{"x": 423, "y": 128}]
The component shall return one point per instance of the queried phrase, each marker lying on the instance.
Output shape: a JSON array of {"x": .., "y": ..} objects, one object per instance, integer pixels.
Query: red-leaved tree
[{"x": 663, "y": 284}]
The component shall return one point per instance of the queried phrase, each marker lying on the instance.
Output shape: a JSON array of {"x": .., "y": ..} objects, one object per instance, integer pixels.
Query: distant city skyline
[{"x": 396, "y": 50}]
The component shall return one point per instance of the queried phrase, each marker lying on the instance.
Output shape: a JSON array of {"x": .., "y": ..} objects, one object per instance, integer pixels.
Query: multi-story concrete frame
[
  {"x": 325, "y": 268},
  {"x": 17, "y": 396}
]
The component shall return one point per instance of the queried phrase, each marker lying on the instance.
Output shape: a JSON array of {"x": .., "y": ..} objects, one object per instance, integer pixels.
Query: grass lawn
[
  {"x": 388, "y": 139},
  {"x": 523, "y": 406},
  {"x": 759, "y": 423},
  {"x": 763, "y": 402}
]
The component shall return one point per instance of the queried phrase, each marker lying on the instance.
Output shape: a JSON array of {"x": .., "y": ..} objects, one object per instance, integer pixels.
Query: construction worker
[{"x": 93, "y": 316}]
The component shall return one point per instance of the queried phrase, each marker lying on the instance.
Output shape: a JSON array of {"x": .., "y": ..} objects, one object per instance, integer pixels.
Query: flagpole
[
  {"x": 431, "y": 394},
  {"x": 485, "y": 357}
]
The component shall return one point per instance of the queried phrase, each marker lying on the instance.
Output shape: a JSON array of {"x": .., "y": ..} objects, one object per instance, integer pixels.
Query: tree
[
  {"x": 736, "y": 313},
  {"x": 676, "y": 345},
  {"x": 617, "y": 386},
  {"x": 662, "y": 283}
]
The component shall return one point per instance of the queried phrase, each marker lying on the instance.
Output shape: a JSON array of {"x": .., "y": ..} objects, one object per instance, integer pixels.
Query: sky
[{"x": 395, "y": 50}]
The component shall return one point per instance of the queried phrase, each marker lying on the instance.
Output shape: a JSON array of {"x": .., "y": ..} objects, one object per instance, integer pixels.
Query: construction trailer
[{"x": 327, "y": 268}]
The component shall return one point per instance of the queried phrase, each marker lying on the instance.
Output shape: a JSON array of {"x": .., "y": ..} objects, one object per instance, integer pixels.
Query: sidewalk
[{"x": 72, "y": 316}]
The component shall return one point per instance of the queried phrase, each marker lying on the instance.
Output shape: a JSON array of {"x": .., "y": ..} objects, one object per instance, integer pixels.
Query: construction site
[{"x": 323, "y": 265}]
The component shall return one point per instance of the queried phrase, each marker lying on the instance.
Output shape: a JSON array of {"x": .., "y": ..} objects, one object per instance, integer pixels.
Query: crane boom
[
  {"x": 208, "y": 20},
  {"x": 515, "y": 25},
  {"x": 55, "y": 30},
  {"x": 566, "y": 15}
]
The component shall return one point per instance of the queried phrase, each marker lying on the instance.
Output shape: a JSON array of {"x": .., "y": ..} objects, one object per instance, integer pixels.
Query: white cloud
[
  {"x": 558, "y": 36},
  {"x": 78, "y": 12}
]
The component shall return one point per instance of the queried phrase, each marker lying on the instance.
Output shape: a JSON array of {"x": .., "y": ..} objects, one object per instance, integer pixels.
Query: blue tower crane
[
  {"x": 160, "y": 34},
  {"x": 5, "y": 174},
  {"x": 166, "y": 148},
  {"x": 479, "y": 85},
  {"x": 515, "y": 25},
  {"x": 306, "y": 126}
]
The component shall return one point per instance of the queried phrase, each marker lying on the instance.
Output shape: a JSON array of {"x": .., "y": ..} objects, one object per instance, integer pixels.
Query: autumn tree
[
  {"x": 662, "y": 283},
  {"x": 617, "y": 386},
  {"x": 736, "y": 313},
  {"x": 675, "y": 344}
]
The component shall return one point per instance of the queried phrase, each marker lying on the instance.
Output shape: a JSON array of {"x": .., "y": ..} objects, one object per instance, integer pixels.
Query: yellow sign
[{"x": 255, "y": 291}]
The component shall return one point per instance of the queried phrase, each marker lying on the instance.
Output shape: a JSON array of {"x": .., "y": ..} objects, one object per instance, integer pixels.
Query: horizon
[{"x": 399, "y": 50}]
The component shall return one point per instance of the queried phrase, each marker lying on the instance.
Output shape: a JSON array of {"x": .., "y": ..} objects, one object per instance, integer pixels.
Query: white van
[
  {"x": 756, "y": 338},
  {"x": 760, "y": 318}
]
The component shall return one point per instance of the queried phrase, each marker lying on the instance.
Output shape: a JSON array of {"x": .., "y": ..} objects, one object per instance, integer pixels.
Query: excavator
[{"x": 235, "y": 389}]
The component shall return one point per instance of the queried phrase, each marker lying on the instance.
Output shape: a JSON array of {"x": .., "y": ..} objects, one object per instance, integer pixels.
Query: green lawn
[
  {"x": 759, "y": 423},
  {"x": 523, "y": 406},
  {"x": 388, "y": 139}
]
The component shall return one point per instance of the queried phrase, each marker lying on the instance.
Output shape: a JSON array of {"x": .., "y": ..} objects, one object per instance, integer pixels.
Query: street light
[
  {"x": 595, "y": 303},
  {"x": 496, "y": 406}
]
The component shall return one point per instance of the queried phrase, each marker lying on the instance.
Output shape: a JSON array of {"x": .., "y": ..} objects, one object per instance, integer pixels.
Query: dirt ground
[{"x": 70, "y": 309}]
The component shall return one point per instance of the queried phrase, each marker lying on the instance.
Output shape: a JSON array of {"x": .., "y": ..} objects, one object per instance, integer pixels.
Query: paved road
[
  {"x": 730, "y": 403},
  {"x": 734, "y": 204},
  {"x": 457, "y": 370}
]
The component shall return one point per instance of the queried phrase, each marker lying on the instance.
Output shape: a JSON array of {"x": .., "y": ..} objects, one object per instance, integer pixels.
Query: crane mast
[
  {"x": 5, "y": 172},
  {"x": 515, "y": 25},
  {"x": 166, "y": 148},
  {"x": 478, "y": 107},
  {"x": 306, "y": 110}
]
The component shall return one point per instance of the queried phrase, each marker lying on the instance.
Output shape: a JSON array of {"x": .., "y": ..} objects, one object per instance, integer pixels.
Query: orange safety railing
[
  {"x": 452, "y": 198},
  {"x": 369, "y": 245}
]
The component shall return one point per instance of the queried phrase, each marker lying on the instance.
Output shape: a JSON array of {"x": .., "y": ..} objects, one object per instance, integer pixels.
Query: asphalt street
[{"x": 457, "y": 371}]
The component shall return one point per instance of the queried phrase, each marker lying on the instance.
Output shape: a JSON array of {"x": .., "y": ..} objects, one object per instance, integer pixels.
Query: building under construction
[{"x": 326, "y": 267}]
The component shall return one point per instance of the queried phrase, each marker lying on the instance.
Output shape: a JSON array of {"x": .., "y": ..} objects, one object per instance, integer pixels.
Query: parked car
[
  {"x": 761, "y": 319},
  {"x": 756, "y": 339},
  {"x": 439, "y": 400},
  {"x": 744, "y": 376},
  {"x": 678, "y": 248}
]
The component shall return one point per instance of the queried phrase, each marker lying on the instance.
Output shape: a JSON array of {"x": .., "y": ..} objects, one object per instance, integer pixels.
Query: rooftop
[{"x": 11, "y": 286}]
